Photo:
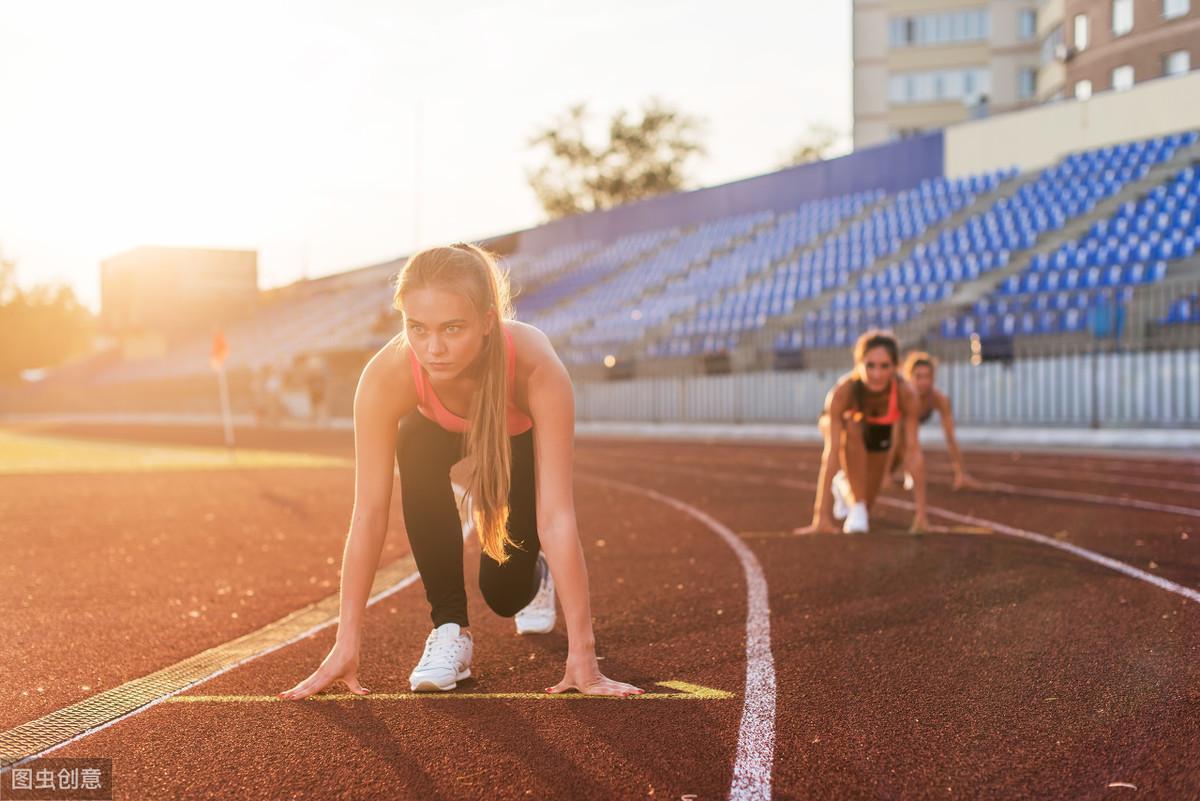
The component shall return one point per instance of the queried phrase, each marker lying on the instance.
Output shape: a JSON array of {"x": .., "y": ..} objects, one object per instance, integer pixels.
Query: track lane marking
[
  {"x": 753, "y": 766},
  {"x": 684, "y": 691},
  {"x": 1000, "y": 528},
  {"x": 59, "y": 728},
  {"x": 1056, "y": 494}
]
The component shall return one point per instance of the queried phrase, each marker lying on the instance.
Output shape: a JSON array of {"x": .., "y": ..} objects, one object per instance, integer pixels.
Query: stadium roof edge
[{"x": 893, "y": 167}]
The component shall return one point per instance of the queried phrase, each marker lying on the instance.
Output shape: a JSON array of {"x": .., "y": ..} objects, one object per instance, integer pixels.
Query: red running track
[{"x": 948, "y": 665}]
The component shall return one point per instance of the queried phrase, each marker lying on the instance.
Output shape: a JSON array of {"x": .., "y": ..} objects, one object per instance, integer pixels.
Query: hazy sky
[{"x": 289, "y": 127}]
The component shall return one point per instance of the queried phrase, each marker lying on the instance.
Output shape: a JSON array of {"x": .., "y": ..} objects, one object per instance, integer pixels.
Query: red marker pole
[{"x": 220, "y": 352}]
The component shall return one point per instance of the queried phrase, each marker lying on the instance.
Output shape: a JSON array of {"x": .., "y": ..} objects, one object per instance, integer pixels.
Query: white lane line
[
  {"x": 1033, "y": 536},
  {"x": 979, "y": 469},
  {"x": 379, "y": 596},
  {"x": 756, "y": 736},
  {"x": 1043, "y": 492},
  {"x": 1012, "y": 531},
  {"x": 1089, "y": 497}
]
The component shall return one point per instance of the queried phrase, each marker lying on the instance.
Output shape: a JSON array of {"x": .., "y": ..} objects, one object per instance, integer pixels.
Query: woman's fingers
[
  {"x": 819, "y": 528},
  {"x": 314, "y": 683},
  {"x": 601, "y": 686},
  {"x": 610, "y": 687},
  {"x": 624, "y": 689},
  {"x": 352, "y": 682}
]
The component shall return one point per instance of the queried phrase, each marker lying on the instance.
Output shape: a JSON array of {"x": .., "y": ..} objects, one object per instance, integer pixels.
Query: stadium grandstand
[{"x": 962, "y": 241}]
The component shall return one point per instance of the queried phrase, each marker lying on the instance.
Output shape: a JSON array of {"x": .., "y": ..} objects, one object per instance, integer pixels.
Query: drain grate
[{"x": 32, "y": 739}]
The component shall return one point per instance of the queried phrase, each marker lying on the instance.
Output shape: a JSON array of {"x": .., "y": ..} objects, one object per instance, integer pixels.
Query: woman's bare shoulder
[
  {"x": 910, "y": 401},
  {"x": 842, "y": 385},
  {"x": 839, "y": 394},
  {"x": 386, "y": 382},
  {"x": 533, "y": 347}
]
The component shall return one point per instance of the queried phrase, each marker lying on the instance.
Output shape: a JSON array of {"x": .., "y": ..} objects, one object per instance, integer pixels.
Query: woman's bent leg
[
  {"x": 876, "y": 462},
  {"x": 425, "y": 452},
  {"x": 508, "y": 588},
  {"x": 854, "y": 459}
]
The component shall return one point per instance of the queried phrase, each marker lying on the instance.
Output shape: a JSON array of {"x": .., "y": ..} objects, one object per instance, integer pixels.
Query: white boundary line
[
  {"x": 1088, "y": 497},
  {"x": 979, "y": 468},
  {"x": 1042, "y": 539},
  {"x": 1047, "y": 492},
  {"x": 756, "y": 737},
  {"x": 1012, "y": 531},
  {"x": 399, "y": 585}
]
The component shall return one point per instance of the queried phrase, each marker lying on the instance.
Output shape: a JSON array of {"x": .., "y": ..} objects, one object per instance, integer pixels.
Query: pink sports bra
[{"x": 431, "y": 406}]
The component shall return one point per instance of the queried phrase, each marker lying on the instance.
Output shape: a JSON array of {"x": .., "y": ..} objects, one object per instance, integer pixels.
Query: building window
[
  {"x": 1122, "y": 17},
  {"x": 1050, "y": 45},
  {"x": 1027, "y": 83},
  {"x": 1122, "y": 77},
  {"x": 1026, "y": 24},
  {"x": 1081, "y": 32},
  {"x": 949, "y": 27},
  {"x": 938, "y": 86},
  {"x": 1083, "y": 89},
  {"x": 1177, "y": 63},
  {"x": 1175, "y": 8}
]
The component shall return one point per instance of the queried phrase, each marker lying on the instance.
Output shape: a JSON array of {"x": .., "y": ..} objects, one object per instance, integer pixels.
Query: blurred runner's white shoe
[
  {"x": 856, "y": 520},
  {"x": 540, "y": 615},
  {"x": 841, "y": 488},
  {"x": 446, "y": 661}
]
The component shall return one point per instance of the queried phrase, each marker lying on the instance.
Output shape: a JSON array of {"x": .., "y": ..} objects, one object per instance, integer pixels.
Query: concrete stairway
[
  {"x": 614, "y": 273},
  {"x": 654, "y": 287},
  {"x": 915, "y": 332},
  {"x": 664, "y": 329}
]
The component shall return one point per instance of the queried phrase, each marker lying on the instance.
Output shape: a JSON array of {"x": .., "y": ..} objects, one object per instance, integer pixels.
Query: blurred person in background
[
  {"x": 920, "y": 369},
  {"x": 316, "y": 381},
  {"x": 864, "y": 412}
]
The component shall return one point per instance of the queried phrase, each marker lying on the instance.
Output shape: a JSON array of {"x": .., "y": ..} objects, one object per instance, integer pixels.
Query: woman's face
[
  {"x": 876, "y": 369},
  {"x": 922, "y": 379},
  {"x": 444, "y": 330}
]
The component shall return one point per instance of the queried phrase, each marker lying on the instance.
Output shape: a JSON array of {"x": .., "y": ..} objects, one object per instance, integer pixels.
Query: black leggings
[{"x": 425, "y": 452}]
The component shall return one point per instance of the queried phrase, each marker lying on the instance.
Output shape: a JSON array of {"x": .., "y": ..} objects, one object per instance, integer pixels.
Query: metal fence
[{"x": 1147, "y": 388}]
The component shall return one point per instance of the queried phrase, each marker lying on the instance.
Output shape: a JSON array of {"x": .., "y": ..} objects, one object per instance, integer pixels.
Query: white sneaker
[
  {"x": 841, "y": 488},
  {"x": 540, "y": 615},
  {"x": 446, "y": 661},
  {"x": 856, "y": 520},
  {"x": 908, "y": 482}
]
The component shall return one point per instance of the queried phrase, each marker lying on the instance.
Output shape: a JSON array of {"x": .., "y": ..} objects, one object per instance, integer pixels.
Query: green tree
[
  {"x": 820, "y": 142},
  {"x": 645, "y": 154},
  {"x": 40, "y": 327}
]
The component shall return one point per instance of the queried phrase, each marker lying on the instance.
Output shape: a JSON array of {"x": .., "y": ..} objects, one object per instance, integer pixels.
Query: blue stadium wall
[{"x": 893, "y": 167}]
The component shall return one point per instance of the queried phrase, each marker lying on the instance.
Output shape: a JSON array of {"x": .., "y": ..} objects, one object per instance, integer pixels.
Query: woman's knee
[
  {"x": 509, "y": 589},
  {"x": 853, "y": 426},
  {"x": 506, "y": 602}
]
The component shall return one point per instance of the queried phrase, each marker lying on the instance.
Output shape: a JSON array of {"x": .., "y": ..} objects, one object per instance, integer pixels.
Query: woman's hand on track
[
  {"x": 920, "y": 525},
  {"x": 584, "y": 675},
  {"x": 340, "y": 665},
  {"x": 823, "y": 527},
  {"x": 965, "y": 481}
]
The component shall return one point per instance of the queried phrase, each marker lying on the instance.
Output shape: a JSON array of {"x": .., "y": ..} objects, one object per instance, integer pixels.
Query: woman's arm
[
  {"x": 551, "y": 401},
  {"x": 889, "y": 464},
  {"x": 961, "y": 479},
  {"x": 914, "y": 459},
  {"x": 381, "y": 398},
  {"x": 822, "y": 519},
  {"x": 376, "y": 416}
]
